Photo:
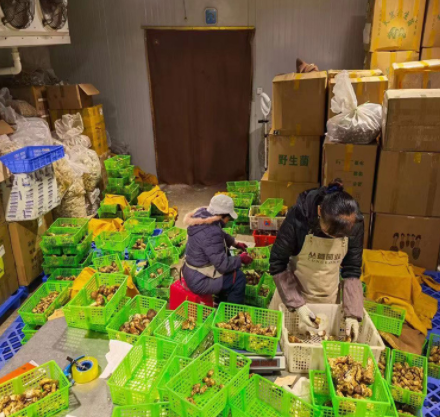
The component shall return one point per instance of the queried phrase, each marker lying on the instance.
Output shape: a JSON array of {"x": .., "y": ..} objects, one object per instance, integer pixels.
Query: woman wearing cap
[
  {"x": 322, "y": 237},
  {"x": 208, "y": 267}
]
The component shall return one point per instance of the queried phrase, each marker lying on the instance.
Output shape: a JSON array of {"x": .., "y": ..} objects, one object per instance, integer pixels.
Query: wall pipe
[{"x": 16, "y": 69}]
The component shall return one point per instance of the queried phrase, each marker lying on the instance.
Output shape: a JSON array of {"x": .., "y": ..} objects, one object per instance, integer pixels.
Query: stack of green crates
[
  {"x": 110, "y": 211},
  {"x": 121, "y": 178},
  {"x": 66, "y": 245},
  {"x": 155, "y": 281}
]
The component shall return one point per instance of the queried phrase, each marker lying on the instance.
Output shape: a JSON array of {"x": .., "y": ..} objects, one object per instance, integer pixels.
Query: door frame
[{"x": 192, "y": 28}]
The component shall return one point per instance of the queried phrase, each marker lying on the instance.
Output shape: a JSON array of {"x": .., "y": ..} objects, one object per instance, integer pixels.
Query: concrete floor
[{"x": 186, "y": 198}]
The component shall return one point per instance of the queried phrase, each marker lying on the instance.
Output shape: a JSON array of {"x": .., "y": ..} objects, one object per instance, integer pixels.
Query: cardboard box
[
  {"x": 367, "y": 224},
  {"x": 411, "y": 120},
  {"x": 367, "y": 89},
  {"x": 384, "y": 61},
  {"x": 94, "y": 125},
  {"x": 408, "y": 183},
  {"x": 394, "y": 25},
  {"x": 25, "y": 238},
  {"x": 431, "y": 30},
  {"x": 34, "y": 95},
  {"x": 419, "y": 237},
  {"x": 293, "y": 158},
  {"x": 355, "y": 165},
  {"x": 75, "y": 96},
  {"x": 298, "y": 103},
  {"x": 8, "y": 273},
  {"x": 417, "y": 74},
  {"x": 430, "y": 53},
  {"x": 373, "y": 72},
  {"x": 288, "y": 191}
]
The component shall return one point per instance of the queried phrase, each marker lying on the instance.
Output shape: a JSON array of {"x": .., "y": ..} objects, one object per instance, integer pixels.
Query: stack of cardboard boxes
[
  {"x": 295, "y": 139},
  {"x": 36, "y": 96},
  {"x": 407, "y": 197},
  {"x": 393, "y": 33},
  {"x": 431, "y": 31},
  {"x": 72, "y": 99}
]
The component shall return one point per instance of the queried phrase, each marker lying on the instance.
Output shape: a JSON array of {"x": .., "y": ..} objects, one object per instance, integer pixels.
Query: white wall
[{"x": 108, "y": 50}]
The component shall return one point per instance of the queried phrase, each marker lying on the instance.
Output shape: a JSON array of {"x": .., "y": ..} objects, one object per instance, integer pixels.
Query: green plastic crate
[
  {"x": 80, "y": 248},
  {"x": 243, "y": 186},
  {"x": 378, "y": 404},
  {"x": 243, "y": 200},
  {"x": 109, "y": 208},
  {"x": 271, "y": 207},
  {"x": 104, "y": 215},
  {"x": 72, "y": 321},
  {"x": 107, "y": 261},
  {"x": 163, "y": 289},
  {"x": 44, "y": 290},
  {"x": 176, "y": 235},
  {"x": 242, "y": 228},
  {"x": 433, "y": 369},
  {"x": 29, "y": 330},
  {"x": 146, "y": 282},
  {"x": 253, "y": 296},
  {"x": 135, "y": 380},
  {"x": 261, "y": 397},
  {"x": 230, "y": 369},
  {"x": 243, "y": 214},
  {"x": 262, "y": 345},
  {"x": 117, "y": 162},
  {"x": 82, "y": 314},
  {"x": 406, "y": 396},
  {"x": 171, "y": 328},
  {"x": 392, "y": 411},
  {"x": 164, "y": 222},
  {"x": 51, "y": 404},
  {"x": 230, "y": 231},
  {"x": 131, "y": 192},
  {"x": 320, "y": 393},
  {"x": 175, "y": 365},
  {"x": 64, "y": 261},
  {"x": 50, "y": 269},
  {"x": 206, "y": 343},
  {"x": 140, "y": 225},
  {"x": 64, "y": 272},
  {"x": 259, "y": 264},
  {"x": 138, "y": 305},
  {"x": 161, "y": 409},
  {"x": 113, "y": 241},
  {"x": 137, "y": 211},
  {"x": 386, "y": 318},
  {"x": 59, "y": 235},
  {"x": 160, "y": 247},
  {"x": 137, "y": 254}
]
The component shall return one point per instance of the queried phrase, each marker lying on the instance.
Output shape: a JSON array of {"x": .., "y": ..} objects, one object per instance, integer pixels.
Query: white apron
[{"x": 317, "y": 268}]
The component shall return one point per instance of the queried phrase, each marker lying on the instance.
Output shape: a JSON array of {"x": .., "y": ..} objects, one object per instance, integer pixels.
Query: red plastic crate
[
  {"x": 263, "y": 240},
  {"x": 179, "y": 293}
]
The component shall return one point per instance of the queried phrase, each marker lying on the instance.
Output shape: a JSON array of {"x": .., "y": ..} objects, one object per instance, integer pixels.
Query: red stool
[{"x": 179, "y": 293}]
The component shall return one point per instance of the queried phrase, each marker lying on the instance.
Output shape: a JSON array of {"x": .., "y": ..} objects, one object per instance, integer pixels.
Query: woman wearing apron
[
  {"x": 320, "y": 241},
  {"x": 208, "y": 266}
]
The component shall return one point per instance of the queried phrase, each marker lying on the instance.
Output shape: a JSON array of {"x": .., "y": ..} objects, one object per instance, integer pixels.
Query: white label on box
[
  {"x": 40, "y": 221},
  {"x": 2, "y": 251}
]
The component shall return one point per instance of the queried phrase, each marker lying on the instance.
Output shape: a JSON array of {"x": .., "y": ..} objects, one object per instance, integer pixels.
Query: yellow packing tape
[
  {"x": 292, "y": 141},
  {"x": 435, "y": 12},
  {"x": 88, "y": 375},
  {"x": 417, "y": 157},
  {"x": 425, "y": 79},
  {"x": 359, "y": 87},
  {"x": 416, "y": 40},
  {"x": 296, "y": 81},
  {"x": 298, "y": 129},
  {"x": 348, "y": 155}
]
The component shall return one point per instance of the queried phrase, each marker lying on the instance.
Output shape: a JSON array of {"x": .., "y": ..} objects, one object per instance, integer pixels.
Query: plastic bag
[
  {"x": 31, "y": 131},
  {"x": 87, "y": 161},
  {"x": 354, "y": 124},
  {"x": 93, "y": 201},
  {"x": 69, "y": 130},
  {"x": 6, "y": 145},
  {"x": 73, "y": 203}
]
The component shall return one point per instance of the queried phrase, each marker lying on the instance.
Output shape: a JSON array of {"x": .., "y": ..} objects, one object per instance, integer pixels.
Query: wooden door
[{"x": 201, "y": 86}]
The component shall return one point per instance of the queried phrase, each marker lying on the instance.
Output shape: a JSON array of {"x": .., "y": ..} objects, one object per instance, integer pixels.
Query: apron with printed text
[{"x": 317, "y": 268}]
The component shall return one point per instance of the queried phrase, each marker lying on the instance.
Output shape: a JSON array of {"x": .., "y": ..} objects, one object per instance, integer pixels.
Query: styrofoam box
[
  {"x": 263, "y": 223},
  {"x": 302, "y": 357}
]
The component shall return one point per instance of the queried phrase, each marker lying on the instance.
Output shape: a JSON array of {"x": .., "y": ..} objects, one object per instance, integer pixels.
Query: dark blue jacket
[{"x": 206, "y": 245}]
